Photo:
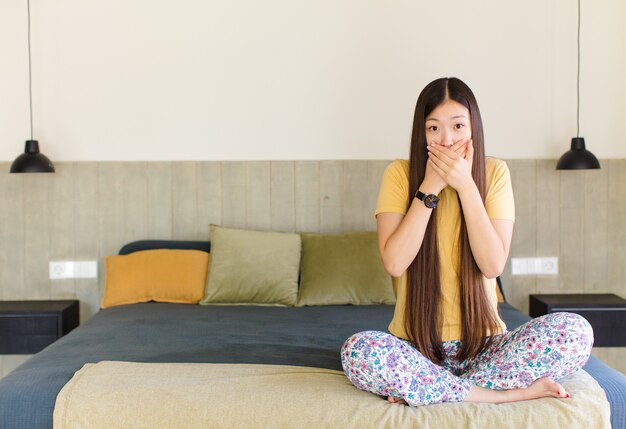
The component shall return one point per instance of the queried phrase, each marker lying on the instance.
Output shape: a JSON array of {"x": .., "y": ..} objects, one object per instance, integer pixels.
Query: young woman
[{"x": 445, "y": 222}]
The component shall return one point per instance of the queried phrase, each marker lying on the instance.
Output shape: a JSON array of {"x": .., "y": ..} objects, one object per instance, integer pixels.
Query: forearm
[
  {"x": 489, "y": 248},
  {"x": 402, "y": 246}
]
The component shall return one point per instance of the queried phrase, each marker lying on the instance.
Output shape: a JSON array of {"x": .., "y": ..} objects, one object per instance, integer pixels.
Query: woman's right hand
[{"x": 433, "y": 183}]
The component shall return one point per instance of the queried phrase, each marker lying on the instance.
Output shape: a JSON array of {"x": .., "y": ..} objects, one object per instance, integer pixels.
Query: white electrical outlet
[
  {"x": 532, "y": 266},
  {"x": 57, "y": 270},
  {"x": 550, "y": 265},
  {"x": 73, "y": 270}
]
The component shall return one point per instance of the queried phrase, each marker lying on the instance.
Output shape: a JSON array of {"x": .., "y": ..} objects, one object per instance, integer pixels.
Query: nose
[{"x": 446, "y": 139}]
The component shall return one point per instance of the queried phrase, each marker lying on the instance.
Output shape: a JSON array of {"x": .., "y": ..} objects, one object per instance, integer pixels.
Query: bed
[{"x": 138, "y": 345}]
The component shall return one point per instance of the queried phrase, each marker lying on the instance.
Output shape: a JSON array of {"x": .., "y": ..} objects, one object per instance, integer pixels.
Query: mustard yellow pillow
[{"x": 163, "y": 275}]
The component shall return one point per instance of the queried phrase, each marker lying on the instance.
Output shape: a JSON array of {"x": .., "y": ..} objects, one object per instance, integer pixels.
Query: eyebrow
[{"x": 454, "y": 117}]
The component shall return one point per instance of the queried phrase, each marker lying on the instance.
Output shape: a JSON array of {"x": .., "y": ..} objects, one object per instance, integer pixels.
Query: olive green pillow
[
  {"x": 343, "y": 269},
  {"x": 253, "y": 267}
]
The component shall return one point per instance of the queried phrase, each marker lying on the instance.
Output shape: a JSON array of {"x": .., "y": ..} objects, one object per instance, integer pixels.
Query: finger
[
  {"x": 444, "y": 153},
  {"x": 436, "y": 168},
  {"x": 469, "y": 151},
  {"x": 459, "y": 147}
]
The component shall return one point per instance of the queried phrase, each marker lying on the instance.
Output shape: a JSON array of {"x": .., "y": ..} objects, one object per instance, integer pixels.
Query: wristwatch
[{"x": 430, "y": 200}]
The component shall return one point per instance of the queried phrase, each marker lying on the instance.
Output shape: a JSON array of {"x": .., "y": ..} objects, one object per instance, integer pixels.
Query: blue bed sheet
[{"x": 154, "y": 332}]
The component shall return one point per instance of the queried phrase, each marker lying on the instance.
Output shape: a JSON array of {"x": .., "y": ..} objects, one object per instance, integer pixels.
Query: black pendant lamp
[
  {"x": 31, "y": 161},
  {"x": 578, "y": 157}
]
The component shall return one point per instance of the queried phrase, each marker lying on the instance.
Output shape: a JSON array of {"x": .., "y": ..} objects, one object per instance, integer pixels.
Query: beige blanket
[{"x": 157, "y": 395}]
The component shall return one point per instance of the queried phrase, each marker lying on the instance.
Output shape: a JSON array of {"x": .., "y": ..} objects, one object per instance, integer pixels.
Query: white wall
[{"x": 292, "y": 79}]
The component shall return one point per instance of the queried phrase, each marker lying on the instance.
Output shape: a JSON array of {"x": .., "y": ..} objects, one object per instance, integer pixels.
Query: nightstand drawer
[
  {"x": 606, "y": 313},
  {"x": 25, "y": 344},
  {"x": 27, "y": 327}
]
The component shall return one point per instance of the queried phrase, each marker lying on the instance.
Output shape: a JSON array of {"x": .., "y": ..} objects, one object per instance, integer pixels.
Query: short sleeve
[
  {"x": 393, "y": 196},
  {"x": 499, "y": 202}
]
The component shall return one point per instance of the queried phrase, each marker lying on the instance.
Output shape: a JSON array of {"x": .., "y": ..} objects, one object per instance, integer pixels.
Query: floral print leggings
[{"x": 554, "y": 345}]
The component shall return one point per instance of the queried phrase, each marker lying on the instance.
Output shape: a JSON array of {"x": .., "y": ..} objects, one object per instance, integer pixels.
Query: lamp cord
[
  {"x": 578, "y": 80},
  {"x": 30, "y": 75}
]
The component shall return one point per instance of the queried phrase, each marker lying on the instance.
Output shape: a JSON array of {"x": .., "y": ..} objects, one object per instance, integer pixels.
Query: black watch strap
[{"x": 430, "y": 200}]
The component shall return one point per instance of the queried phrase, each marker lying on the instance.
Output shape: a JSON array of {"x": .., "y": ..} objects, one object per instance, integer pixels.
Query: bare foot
[
  {"x": 394, "y": 400},
  {"x": 539, "y": 388},
  {"x": 543, "y": 387}
]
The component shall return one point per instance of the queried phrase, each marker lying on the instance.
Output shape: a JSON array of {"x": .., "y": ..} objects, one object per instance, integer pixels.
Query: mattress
[
  {"x": 180, "y": 333},
  {"x": 199, "y": 395}
]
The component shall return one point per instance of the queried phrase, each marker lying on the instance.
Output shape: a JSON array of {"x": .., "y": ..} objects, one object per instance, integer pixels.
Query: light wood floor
[{"x": 9, "y": 362}]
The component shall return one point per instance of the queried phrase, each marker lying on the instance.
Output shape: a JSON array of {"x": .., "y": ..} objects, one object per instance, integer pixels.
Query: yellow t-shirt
[{"x": 394, "y": 197}]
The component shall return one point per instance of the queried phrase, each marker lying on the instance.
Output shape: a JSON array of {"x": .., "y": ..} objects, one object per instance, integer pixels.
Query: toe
[{"x": 561, "y": 392}]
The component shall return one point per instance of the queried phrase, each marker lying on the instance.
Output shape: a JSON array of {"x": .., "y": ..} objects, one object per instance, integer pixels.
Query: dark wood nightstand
[
  {"x": 605, "y": 312},
  {"x": 27, "y": 327}
]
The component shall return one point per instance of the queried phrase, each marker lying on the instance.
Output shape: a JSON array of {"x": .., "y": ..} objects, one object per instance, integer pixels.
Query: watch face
[{"x": 431, "y": 201}]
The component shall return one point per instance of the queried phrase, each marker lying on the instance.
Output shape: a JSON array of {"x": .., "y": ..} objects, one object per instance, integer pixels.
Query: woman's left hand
[{"x": 454, "y": 168}]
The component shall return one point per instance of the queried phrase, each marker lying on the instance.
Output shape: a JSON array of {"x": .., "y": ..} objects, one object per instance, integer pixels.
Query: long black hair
[{"x": 423, "y": 293}]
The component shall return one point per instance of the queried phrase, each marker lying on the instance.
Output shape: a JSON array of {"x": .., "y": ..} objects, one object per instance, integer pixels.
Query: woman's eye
[
  {"x": 433, "y": 128},
  {"x": 459, "y": 126}
]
